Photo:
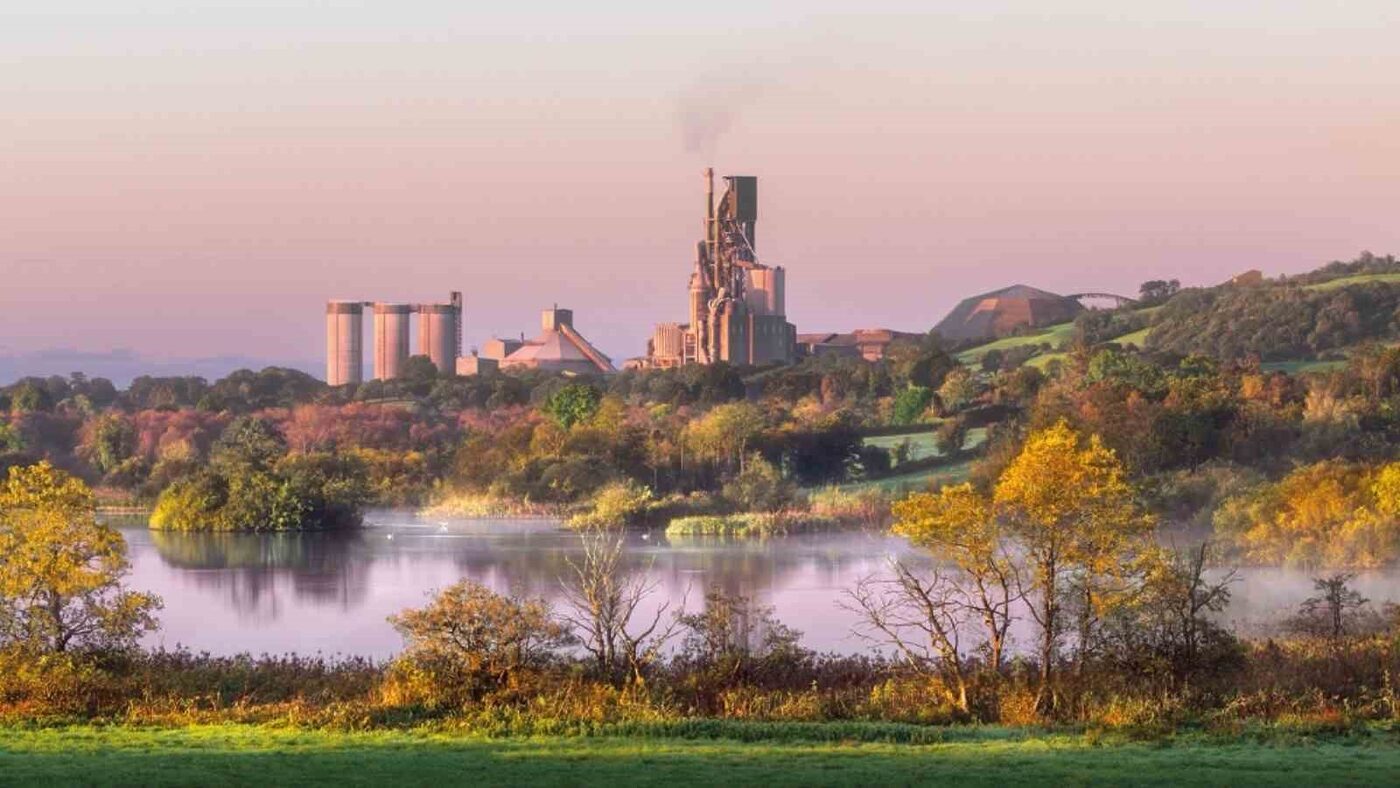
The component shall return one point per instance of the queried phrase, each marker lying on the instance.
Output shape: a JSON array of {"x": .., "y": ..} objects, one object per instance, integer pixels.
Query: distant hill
[
  {"x": 1307, "y": 322},
  {"x": 122, "y": 365},
  {"x": 1318, "y": 314}
]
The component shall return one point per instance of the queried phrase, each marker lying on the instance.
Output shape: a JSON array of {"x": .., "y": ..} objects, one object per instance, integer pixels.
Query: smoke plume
[{"x": 710, "y": 108}]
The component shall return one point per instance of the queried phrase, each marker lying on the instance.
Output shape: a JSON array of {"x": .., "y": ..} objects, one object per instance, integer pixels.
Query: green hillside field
[
  {"x": 1053, "y": 335},
  {"x": 1359, "y": 279}
]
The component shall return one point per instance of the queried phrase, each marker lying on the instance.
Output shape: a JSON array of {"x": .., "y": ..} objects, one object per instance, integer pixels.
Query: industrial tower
[{"x": 737, "y": 310}]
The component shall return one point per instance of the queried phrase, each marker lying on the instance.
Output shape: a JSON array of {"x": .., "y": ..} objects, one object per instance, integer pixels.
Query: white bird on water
[{"x": 388, "y": 536}]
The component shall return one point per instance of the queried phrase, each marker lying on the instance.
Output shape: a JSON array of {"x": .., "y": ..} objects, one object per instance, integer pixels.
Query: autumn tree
[
  {"x": 61, "y": 571},
  {"x": 111, "y": 439},
  {"x": 958, "y": 525},
  {"x": 724, "y": 434},
  {"x": 1068, "y": 504}
]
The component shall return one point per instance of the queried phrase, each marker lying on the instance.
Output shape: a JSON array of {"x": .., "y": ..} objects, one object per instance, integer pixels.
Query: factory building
[
  {"x": 558, "y": 348},
  {"x": 871, "y": 344},
  {"x": 439, "y": 337},
  {"x": 737, "y": 309}
]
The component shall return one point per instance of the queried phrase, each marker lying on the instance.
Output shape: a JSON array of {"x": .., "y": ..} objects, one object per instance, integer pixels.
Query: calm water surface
[{"x": 331, "y": 593}]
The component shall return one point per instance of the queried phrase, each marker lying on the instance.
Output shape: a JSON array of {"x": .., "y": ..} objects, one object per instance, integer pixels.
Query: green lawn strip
[{"x": 231, "y": 754}]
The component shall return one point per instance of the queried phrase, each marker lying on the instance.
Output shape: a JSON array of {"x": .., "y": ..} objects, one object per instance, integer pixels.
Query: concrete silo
[
  {"x": 440, "y": 333},
  {"x": 390, "y": 339},
  {"x": 764, "y": 293},
  {"x": 344, "y": 342}
]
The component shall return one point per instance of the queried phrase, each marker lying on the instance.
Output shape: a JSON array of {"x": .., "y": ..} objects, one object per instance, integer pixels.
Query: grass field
[
  {"x": 1138, "y": 337},
  {"x": 249, "y": 755},
  {"x": 922, "y": 444},
  {"x": 1300, "y": 367},
  {"x": 1054, "y": 335},
  {"x": 920, "y": 479},
  {"x": 1333, "y": 284}
]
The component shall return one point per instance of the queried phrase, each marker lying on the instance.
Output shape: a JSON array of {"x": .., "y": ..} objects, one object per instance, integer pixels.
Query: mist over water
[{"x": 332, "y": 593}]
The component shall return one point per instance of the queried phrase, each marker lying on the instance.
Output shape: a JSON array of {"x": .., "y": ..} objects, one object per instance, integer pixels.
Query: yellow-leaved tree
[
  {"x": 61, "y": 570},
  {"x": 1061, "y": 524},
  {"x": 1067, "y": 502},
  {"x": 958, "y": 526}
]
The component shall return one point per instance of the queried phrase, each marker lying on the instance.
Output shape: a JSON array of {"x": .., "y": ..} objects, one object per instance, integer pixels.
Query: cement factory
[{"x": 737, "y": 315}]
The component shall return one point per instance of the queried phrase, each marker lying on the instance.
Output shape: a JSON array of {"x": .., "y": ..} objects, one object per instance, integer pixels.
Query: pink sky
[{"x": 193, "y": 179}]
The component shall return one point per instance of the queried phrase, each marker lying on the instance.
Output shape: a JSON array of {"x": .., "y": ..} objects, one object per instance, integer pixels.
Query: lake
[{"x": 331, "y": 592}]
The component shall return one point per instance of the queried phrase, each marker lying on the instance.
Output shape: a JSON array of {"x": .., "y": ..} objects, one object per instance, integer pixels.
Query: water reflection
[
  {"x": 329, "y": 592},
  {"x": 249, "y": 569}
]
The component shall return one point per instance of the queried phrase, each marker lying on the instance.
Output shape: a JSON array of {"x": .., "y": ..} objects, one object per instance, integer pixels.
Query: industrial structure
[
  {"x": 558, "y": 348},
  {"x": 439, "y": 337},
  {"x": 737, "y": 309},
  {"x": 345, "y": 328},
  {"x": 871, "y": 344}
]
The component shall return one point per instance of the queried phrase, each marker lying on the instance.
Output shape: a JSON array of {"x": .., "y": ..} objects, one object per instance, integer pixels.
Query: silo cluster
[{"x": 439, "y": 337}]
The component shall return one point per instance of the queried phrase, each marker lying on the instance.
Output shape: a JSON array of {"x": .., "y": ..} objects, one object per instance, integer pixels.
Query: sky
[{"x": 189, "y": 181}]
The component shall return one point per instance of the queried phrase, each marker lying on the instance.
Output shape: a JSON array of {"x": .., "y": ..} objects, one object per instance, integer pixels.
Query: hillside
[
  {"x": 1298, "y": 324},
  {"x": 1279, "y": 321}
]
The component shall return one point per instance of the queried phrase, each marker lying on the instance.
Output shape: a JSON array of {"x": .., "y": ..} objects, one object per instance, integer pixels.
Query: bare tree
[
  {"x": 921, "y": 620},
  {"x": 1336, "y": 611},
  {"x": 602, "y": 599}
]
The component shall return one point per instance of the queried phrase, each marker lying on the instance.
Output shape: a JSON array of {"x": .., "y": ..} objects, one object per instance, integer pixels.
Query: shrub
[
  {"x": 910, "y": 404},
  {"x": 950, "y": 436},
  {"x": 759, "y": 487},
  {"x": 470, "y": 640},
  {"x": 749, "y": 524},
  {"x": 868, "y": 507},
  {"x": 735, "y": 642},
  {"x": 616, "y": 504}
]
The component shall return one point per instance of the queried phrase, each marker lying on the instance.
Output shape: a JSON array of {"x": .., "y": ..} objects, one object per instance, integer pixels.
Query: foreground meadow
[{"x": 734, "y": 754}]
